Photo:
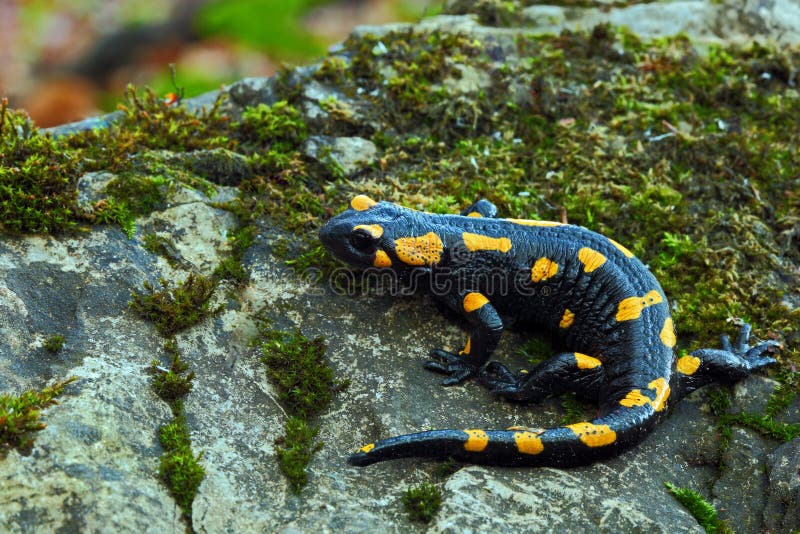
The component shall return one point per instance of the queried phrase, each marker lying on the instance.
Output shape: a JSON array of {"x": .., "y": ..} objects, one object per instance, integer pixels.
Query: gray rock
[
  {"x": 737, "y": 21},
  {"x": 743, "y": 473},
  {"x": 341, "y": 155},
  {"x": 782, "y": 509}
]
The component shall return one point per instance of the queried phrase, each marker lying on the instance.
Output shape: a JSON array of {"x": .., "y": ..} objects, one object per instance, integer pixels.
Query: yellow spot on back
[
  {"x": 474, "y": 214},
  {"x": 423, "y": 250},
  {"x": 566, "y": 319},
  {"x": 382, "y": 259},
  {"x": 528, "y": 442},
  {"x": 662, "y": 393},
  {"x": 375, "y": 230},
  {"x": 543, "y": 269},
  {"x": 477, "y": 440},
  {"x": 586, "y": 362},
  {"x": 467, "y": 347},
  {"x": 622, "y": 249},
  {"x": 636, "y": 398},
  {"x": 687, "y": 365},
  {"x": 362, "y": 202},
  {"x": 475, "y": 242},
  {"x": 667, "y": 333},
  {"x": 631, "y": 307},
  {"x": 367, "y": 448},
  {"x": 594, "y": 435},
  {"x": 473, "y": 301},
  {"x": 591, "y": 259},
  {"x": 528, "y": 222}
]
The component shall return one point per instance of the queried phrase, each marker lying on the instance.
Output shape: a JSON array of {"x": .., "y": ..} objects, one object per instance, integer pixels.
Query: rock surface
[{"x": 94, "y": 467}]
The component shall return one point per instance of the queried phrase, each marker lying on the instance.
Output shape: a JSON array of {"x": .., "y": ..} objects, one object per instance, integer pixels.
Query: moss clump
[
  {"x": 54, "y": 343},
  {"x": 295, "y": 450},
  {"x": 179, "y": 468},
  {"x": 230, "y": 268},
  {"x": 175, "y": 382},
  {"x": 19, "y": 416},
  {"x": 305, "y": 384},
  {"x": 422, "y": 502},
  {"x": 297, "y": 367},
  {"x": 37, "y": 177},
  {"x": 177, "y": 308},
  {"x": 141, "y": 194},
  {"x": 700, "y": 509}
]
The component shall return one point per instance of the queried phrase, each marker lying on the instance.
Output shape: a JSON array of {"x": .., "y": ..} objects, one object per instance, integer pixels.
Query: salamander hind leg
[
  {"x": 568, "y": 371},
  {"x": 727, "y": 364}
]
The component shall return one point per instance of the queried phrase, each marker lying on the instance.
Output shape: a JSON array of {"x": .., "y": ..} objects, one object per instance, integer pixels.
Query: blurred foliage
[{"x": 272, "y": 26}]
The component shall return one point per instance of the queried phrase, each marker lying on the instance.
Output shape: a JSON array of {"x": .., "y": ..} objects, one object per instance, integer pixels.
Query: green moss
[
  {"x": 175, "y": 382},
  {"x": 295, "y": 450},
  {"x": 37, "y": 177},
  {"x": 422, "y": 502},
  {"x": 173, "y": 309},
  {"x": 297, "y": 367},
  {"x": 230, "y": 268},
  {"x": 19, "y": 416},
  {"x": 305, "y": 384},
  {"x": 54, "y": 343},
  {"x": 142, "y": 194},
  {"x": 700, "y": 509},
  {"x": 164, "y": 247},
  {"x": 179, "y": 468}
]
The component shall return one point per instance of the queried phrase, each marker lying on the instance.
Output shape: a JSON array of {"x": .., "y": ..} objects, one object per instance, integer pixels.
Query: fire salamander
[{"x": 602, "y": 302}]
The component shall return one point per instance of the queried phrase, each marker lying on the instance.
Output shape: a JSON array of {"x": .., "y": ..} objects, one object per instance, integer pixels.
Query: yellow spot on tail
[
  {"x": 367, "y": 448},
  {"x": 474, "y": 214},
  {"x": 467, "y": 347},
  {"x": 586, "y": 362},
  {"x": 636, "y": 398},
  {"x": 528, "y": 442},
  {"x": 667, "y": 333},
  {"x": 362, "y": 202},
  {"x": 688, "y": 365},
  {"x": 591, "y": 259},
  {"x": 528, "y": 222},
  {"x": 477, "y": 440},
  {"x": 375, "y": 230},
  {"x": 423, "y": 250},
  {"x": 382, "y": 259},
  {"x": 543, "y": 269},
  {"x": 594, "y": 435},
  {"x": 622, "y": 249},
  {"x": 631, "y": 307},
  {"x": 566, "y": 319},
  {"x": 473, "y": 301},
  {"x": 475, "y": 242}
]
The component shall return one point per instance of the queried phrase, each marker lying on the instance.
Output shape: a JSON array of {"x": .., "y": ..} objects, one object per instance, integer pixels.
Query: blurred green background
[{"x": 64, "y": 60}]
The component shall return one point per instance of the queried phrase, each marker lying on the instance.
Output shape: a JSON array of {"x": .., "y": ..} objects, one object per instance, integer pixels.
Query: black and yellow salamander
[{"x": 601, "y": 301}]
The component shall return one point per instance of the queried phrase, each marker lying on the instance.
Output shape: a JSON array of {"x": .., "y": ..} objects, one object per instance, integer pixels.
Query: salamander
[{"x": 603, "y": 304}]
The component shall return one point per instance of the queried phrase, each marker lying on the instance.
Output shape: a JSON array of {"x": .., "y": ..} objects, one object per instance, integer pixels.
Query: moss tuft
[
  {"x": 37, "y": 177},
  {"x": 422, "y": 502},
  {"x": 175, "y": 309},
  {"x": 700, "y": 509},
  {"x": 19, "y": 416},
  {"x": 54, "y": 343},
  {"x": 295, "y": 450},
  {"x": 297, "y": 367}
]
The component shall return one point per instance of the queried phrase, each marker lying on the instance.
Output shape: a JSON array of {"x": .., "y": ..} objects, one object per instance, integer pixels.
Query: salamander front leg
[{"x": 487, "y": 328}]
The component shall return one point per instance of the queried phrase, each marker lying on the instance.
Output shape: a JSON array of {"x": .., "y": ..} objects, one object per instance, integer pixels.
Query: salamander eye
[{"x": 362, "y": 241}]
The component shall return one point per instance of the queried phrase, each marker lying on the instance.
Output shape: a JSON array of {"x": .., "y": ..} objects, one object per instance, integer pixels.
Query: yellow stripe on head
[{"x": 362, "y": 202}]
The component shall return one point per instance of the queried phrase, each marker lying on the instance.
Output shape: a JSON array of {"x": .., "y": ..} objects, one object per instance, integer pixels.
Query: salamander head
[{"x": 359, "y": 235}]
